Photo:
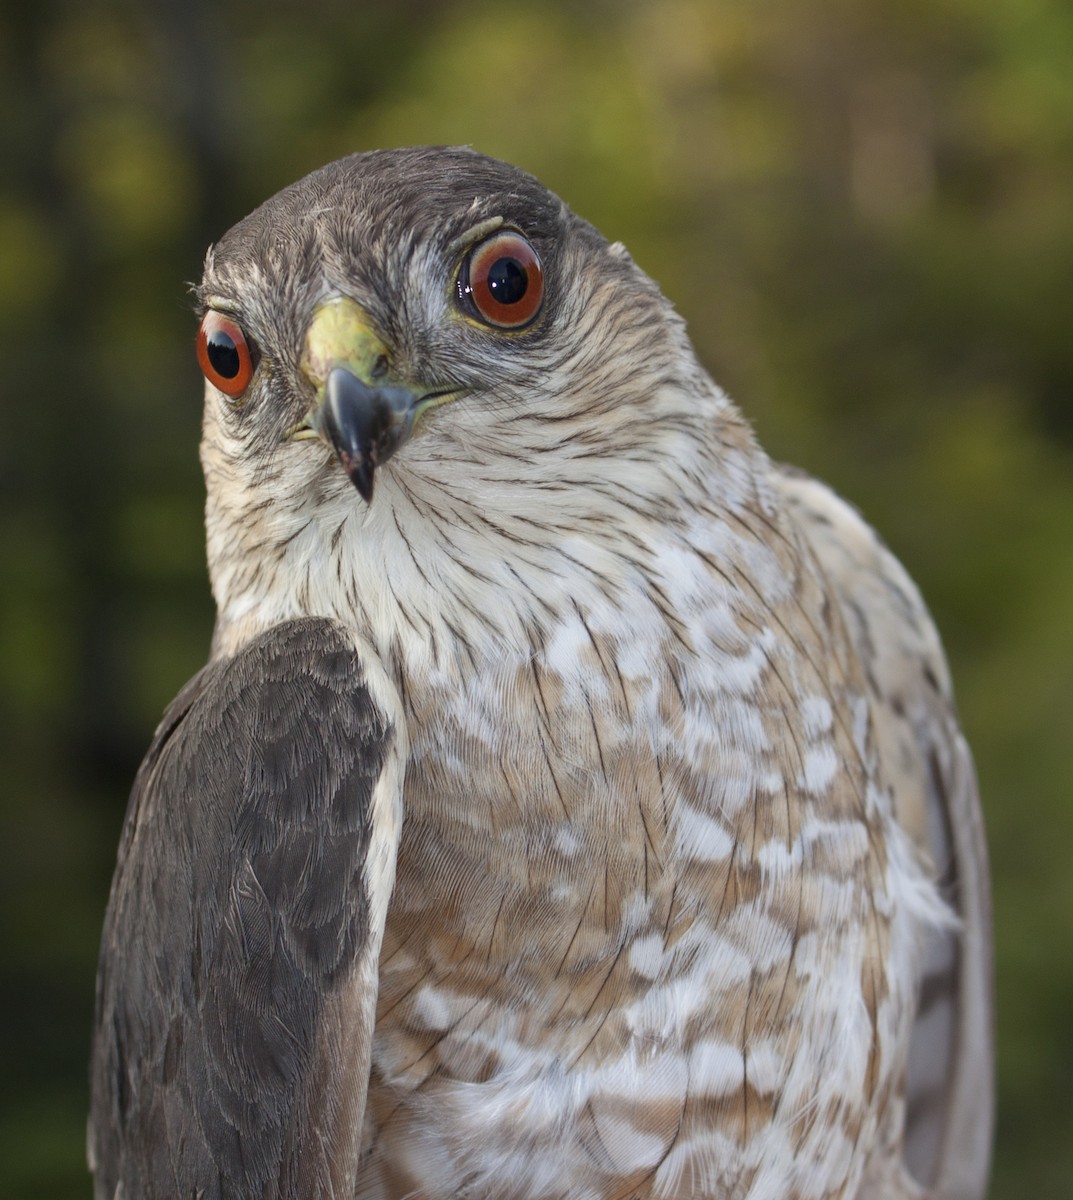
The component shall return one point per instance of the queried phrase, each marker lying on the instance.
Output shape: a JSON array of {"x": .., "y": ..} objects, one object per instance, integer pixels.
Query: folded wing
[
  {"x": 926, "y": 765},
  {"x": 238, "y": 974}
]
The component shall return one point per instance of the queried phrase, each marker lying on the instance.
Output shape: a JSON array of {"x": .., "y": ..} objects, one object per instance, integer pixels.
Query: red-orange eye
[
  {"x": 224, "y": 354},
  {"x": 502, "y": 281}
]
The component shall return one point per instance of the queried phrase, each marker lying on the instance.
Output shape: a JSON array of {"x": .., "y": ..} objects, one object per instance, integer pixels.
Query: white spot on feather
[
  {"x": 566, "y": 841},
  {"x": 629, "y": 1148},
  {"x": 646, "y": 955},
  {"x": 701, "y": 837},
  {"x": 818, "y": 715},
  {"x": 821, "y": 766},
  {"x": 432, "y": 1008},
  {"x": 716, "y": 1069}
]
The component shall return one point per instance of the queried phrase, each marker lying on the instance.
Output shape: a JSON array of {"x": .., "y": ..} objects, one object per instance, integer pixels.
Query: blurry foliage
[{"x": 866, "y": 214}]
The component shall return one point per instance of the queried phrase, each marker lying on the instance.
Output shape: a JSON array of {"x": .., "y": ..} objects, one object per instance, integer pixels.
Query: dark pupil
[
  {"x": 223, "y": 354},
  {"x": 507, "y": 280}
]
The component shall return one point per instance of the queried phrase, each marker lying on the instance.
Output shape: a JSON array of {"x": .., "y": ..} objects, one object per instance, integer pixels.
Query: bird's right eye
[{"x": 224, "y": 353}]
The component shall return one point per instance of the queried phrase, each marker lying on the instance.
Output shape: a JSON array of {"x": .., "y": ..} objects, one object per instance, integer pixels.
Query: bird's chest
[
  {"x": 603, "y": 910},
  {"x": 534, "y": 856},
  {"x": 534, "y": 849},
  {"x": 529, "y": 789}
]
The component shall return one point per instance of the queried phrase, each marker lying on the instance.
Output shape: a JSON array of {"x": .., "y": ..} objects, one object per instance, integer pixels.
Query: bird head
[
  {"x": 433, "y": 327},
  {"x": 358, "y": 305}
]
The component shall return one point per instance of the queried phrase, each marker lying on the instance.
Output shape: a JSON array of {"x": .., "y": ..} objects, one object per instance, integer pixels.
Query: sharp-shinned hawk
[{"x": 573, "y": 805}]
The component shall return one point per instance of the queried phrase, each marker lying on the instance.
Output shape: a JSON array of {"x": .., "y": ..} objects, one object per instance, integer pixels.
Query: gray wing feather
[
  {"x": 950, "y": 1091},
  {"x": 234, "y": 1012}
]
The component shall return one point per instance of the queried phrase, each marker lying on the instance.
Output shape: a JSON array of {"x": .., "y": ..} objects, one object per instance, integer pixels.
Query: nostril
[{"x": 380, "y": 367}]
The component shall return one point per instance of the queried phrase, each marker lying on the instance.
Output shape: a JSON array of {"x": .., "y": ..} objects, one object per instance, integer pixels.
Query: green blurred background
[{"x": 864, "y": 210}]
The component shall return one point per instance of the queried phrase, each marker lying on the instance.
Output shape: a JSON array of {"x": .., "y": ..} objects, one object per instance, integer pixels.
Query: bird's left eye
[
  {"x": 224, "y": 353},
  {"x": 502, "y": 281}
]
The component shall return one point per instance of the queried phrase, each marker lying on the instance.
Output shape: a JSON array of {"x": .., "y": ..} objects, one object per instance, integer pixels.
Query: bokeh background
[{"x": 863, "y": 207}]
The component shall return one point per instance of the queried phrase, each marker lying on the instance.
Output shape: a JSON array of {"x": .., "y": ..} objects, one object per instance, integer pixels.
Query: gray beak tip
[
  {"x": 365, "y": 425},
  {"x": 361, "y": 476}
]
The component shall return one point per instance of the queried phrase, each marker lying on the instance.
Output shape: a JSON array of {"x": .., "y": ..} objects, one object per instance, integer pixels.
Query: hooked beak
[
  {"x": 366, "y": 425},
  {"x": 361, "y": 410}
]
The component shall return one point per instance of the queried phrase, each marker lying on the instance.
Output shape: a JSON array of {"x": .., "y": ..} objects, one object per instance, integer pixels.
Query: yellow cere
[{"x": 339, "y": 336}]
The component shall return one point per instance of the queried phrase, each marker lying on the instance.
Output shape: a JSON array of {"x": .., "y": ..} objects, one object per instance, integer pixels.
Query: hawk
[{"x": 573, "y": 804}]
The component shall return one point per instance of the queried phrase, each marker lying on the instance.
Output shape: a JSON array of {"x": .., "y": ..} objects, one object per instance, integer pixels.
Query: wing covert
[{"x": 238, "y": 971}]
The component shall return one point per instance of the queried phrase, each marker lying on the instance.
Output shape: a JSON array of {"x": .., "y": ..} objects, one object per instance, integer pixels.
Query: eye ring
[
  {"x": 224, "y": 353},
  {"x": 502, "y": 281}
]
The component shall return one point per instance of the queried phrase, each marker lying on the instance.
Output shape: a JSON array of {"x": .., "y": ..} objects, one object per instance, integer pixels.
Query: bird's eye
[
  {"x": 502, "y": 281},
  {"x": 225, "y": 355}
]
